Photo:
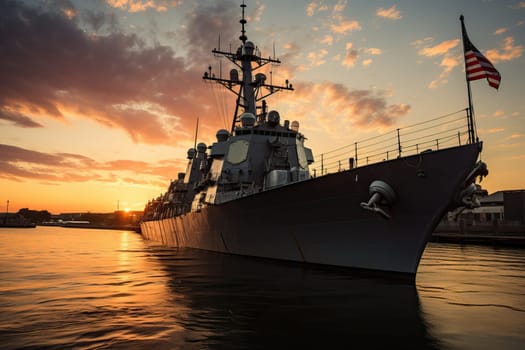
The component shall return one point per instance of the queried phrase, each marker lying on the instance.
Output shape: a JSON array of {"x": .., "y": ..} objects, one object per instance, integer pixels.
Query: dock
[{"x": 496, "y": 233}]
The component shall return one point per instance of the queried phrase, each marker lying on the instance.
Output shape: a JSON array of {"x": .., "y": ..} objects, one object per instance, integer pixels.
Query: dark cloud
[
  {"x": 98, "y": 20},
  {"x": 362, "y": 108},
  {"x": 18, "y": 119},
  {"x": 20, "y": 164},
  {"x": 51, "y": 66},
  {"x": 13, "y": 154},
  {"x": 208, "y": 21}
]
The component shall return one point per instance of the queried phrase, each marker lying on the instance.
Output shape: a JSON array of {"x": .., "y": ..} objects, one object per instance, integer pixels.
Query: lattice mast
[{"x": 249, "y": 89}]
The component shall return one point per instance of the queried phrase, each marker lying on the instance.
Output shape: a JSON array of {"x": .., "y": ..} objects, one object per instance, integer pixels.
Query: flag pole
[{"x": 470, "y": 110}]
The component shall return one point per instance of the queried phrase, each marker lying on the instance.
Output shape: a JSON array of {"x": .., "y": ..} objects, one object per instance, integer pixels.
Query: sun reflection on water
[{"x": 474, "y": 296}]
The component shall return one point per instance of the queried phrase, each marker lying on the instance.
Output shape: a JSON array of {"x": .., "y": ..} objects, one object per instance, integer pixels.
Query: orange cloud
[
  {"x": 439, "y": 49},
  {"x": 327, "y": 39},
  {"x": 344, "y": 26},
  {"x": 310, "y": 9},
  {"x": 142, "y": 5},
  {"x": 18, "y": 119},
  {"x": 117, "y": 80},
  {"x": 367, "y": 62},
  {"x": 508, "y": 51},
  {"x": 314, "y": 6},
  {"x": 19, "y": 164},
  {"x": 449, "y": 61},
  {"x": 113, "y": 79},
  {"x": 339, "y": 7},
  {"x": 362, "y": 108},
  {"x": 317, "y": 58},
  {"x": 390, "y": 13},
  {"x": 421, "y": 42},
  {"x": 373, "y": 51},
  {"x": 350, "y": 56}
]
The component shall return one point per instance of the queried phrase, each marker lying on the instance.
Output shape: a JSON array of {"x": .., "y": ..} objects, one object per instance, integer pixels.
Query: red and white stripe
[{"x": 478, "y": 67}]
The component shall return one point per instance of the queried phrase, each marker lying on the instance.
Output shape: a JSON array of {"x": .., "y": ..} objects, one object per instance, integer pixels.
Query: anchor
[{"x": 380, "y": 193}]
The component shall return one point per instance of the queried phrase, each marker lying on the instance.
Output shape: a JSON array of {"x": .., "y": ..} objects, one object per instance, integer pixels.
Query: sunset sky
[{"x": 99, "y": 99}]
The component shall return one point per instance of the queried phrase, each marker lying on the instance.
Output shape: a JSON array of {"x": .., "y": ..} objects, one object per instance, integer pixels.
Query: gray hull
[{"x": 321, "y": 221}]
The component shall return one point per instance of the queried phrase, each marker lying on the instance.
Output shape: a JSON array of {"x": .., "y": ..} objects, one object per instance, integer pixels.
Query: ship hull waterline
[{"x": 320, "y": 220}]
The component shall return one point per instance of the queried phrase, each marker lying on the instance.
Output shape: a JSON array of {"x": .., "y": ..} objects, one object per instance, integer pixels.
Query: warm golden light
[{"x": 144, "y": 120}]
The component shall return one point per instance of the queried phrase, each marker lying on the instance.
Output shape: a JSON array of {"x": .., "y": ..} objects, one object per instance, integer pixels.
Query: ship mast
[{"x": 249, "y": 90}]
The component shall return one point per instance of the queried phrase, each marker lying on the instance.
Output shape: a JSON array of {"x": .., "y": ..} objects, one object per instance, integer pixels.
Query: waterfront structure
[
  {"x": 500, "y": 214},
  {"x": 14, "y": 220}
]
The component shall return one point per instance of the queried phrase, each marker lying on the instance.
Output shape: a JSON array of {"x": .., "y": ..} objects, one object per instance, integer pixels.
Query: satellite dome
[
  {"x": 201, "y": 147},
  {"x": 248, "y": 48},
  {"x": 191, "y": 153},
  {"x": 260, "y": 78},
  {"x": 247, "y": 120},
  {"x": 222, "y": 135}
]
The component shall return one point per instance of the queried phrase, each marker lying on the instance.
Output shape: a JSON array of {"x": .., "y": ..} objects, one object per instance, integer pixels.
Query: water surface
[{"x": 63, "y": 288}]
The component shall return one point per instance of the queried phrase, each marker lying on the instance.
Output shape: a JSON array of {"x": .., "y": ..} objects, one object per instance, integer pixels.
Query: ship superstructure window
[{"x": 238, "y": 151}]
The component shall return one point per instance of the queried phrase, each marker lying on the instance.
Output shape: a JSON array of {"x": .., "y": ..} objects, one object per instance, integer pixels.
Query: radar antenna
[
  {"x": 249, "y": 90},
  {"x": 243, "y": 36}
]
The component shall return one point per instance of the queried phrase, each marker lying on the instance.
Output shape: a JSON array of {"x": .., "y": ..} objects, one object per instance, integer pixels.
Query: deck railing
[{"x": 442, "y": 132}]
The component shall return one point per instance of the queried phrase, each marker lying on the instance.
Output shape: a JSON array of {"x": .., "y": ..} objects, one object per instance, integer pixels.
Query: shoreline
[
  {"x": 135, "y": 228},
  {"x": 496, "y": 233},
  {"x": 515, "y": 236}
]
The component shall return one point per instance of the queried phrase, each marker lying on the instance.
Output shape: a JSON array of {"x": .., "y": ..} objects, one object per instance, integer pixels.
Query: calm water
[{"x": 94, "y": 289}]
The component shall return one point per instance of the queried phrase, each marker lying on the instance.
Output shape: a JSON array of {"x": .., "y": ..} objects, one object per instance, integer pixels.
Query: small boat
[{"x": 255, "y": 190}]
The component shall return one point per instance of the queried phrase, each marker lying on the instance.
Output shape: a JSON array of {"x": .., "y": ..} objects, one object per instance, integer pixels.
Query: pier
[{"x": 496, "y": 233}]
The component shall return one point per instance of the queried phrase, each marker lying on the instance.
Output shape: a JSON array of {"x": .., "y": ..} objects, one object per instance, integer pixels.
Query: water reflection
[
  {"x": 236, "y": 302},
  {"x": 66, "y": 288},
  {"x": 474, "y": 296}
]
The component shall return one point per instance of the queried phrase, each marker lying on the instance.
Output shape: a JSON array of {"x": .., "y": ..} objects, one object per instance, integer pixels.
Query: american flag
[{"x": 478, "y": 66}]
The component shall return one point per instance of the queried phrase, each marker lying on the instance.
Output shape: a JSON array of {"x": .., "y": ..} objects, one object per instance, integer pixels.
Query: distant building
[
  {"x": 14, "y": 220},
  {"x": 491, "y": 210},
  {"x": 502, "y": 211},
  {"x": 514, "y": 206}
]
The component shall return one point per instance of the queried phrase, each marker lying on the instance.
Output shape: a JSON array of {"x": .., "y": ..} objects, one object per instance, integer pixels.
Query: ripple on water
[{"x": 113, "y": 290}]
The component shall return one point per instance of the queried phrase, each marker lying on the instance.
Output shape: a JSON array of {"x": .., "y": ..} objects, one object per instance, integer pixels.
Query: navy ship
[{"x": 255, "y": 192}]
